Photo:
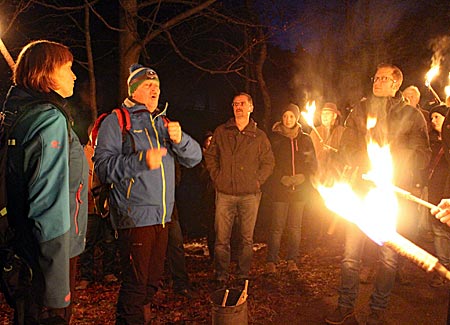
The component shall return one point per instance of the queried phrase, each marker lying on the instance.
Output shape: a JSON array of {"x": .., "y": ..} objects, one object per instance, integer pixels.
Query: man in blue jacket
[{"x": 140, "y": 167}]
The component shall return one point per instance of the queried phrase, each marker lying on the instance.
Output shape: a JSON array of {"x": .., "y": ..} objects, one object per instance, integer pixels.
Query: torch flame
[
  {"x": 433, "y": 72},
  {"x": 371, "y": 122},
  {"x": 309, "y": 114},
  {"x": 375, "y": 213}
]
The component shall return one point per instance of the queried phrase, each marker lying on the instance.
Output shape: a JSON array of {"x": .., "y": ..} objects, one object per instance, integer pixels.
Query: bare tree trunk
[
  {"x": 262, "y": 55},
  {"x": 129, "y": 48},
  {"x": 92, "y": 82}
]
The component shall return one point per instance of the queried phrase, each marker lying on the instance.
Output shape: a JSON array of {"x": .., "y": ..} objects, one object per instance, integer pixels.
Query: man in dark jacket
[
  {"x": 404, "y": 128},
  {"x": 239, "y": 161}
]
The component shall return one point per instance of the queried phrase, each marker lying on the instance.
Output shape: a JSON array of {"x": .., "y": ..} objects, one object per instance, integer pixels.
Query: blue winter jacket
[
  {"x": 47, "y": 199},
  {"x": 140, "y": 196}
]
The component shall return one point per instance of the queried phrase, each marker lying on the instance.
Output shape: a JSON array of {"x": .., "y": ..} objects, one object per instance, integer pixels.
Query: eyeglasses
[
  {"x": 383, "y": 79},
  {"x": 235, "y": 104}
]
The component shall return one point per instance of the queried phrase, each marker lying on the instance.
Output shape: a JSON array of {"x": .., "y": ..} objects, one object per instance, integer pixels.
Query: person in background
[
  {"x": 239, "y": 161},
  {"x": 99, "y": 230},
  {"x": 289, "y": 186},
  {"x": 437, "y": 178},
  {"x": 404, "y": 129},
  {"x": 176, "y": 260},
  {"x": 412, "y": 96},
  {"x": 331, "y": 133},
  {"x": 141, "y": 168},
  {"x": 46, "y": 180},
  {"x": 326, "y": 148},
  {"x": 208, "y": 197}
]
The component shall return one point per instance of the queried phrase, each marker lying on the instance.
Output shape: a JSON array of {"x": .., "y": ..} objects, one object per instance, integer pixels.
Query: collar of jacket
[
  {"x": 249, "y": 129},
  {"x": 135, "y": 107},
  {"x": 391, "y": 102},
  {"x": 279, "y": 128}
]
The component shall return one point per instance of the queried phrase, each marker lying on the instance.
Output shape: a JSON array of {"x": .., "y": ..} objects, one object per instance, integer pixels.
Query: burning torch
[
  {"x": 378, "y": 220},
  {"x": 433, "y": 72}
]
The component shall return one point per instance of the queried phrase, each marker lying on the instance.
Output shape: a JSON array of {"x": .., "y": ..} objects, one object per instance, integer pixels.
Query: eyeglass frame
[
  {"x": 239, "y": 104},
  {"x": 382, "y": 79}
]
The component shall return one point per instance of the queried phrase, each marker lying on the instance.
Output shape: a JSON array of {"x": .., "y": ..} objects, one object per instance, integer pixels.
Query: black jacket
[{"x": 292, "y": 156}]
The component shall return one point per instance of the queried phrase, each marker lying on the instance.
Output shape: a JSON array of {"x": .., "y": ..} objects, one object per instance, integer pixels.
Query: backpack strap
[{"x": 123, "y": 117}]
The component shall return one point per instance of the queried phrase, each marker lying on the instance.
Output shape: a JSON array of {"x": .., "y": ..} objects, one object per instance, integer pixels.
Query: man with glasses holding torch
[{"x": 404, "y": 128}]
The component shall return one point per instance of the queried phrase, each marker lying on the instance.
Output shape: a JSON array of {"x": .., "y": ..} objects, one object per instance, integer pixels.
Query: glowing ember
[{"x": 433, "y": 72}]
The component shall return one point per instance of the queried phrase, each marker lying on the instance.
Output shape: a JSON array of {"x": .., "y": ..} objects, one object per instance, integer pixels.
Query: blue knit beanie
[{"x": 138, "y": 74}]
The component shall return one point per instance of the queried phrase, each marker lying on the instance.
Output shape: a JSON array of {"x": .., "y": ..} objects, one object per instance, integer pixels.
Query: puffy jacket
[
  {"x": 140, "y": 196},
  {"x": 292, "y": 156},
  {"x": 401, "y": 126},
  {"x": 239, "y": 162},
  {"x": 46, "y": 177}
]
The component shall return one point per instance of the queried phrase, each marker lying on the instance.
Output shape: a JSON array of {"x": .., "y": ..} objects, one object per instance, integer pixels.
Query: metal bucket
[{"x": 230, "y": 314}]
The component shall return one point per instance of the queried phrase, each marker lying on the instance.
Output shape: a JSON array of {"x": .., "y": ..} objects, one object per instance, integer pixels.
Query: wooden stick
[
  {"x": 225, "y": 297},
  {"x": 405, "y": 194},
  {"x": 243, "y": 296}
]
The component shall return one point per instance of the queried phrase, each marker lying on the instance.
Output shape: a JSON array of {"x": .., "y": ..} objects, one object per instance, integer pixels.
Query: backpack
[
  {"x": 15, "y": 272},
  {"x": 101, "y": 192},
  {"x": 124, "y": 123}
]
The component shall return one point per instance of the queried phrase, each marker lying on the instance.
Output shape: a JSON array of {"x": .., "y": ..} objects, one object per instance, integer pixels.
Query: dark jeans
[
  {"x": 241, "y": 210},
  {"x": 441, "y": 234},
  {"x": 142, "y": 253},
  {"x": 175, "y": 257},
  {"x": 99, "y": 232},
  {"x": 287, "y": 215},
  {"x": 355, "y": 241}
]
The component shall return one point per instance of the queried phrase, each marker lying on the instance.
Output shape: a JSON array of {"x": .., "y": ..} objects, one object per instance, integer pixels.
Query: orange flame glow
[
  {"x": 371, "y": 122},
  {"x": 433, "y": 72},
  {"x": 309, "y": 114},
  {"x": 375, "y": 213}
]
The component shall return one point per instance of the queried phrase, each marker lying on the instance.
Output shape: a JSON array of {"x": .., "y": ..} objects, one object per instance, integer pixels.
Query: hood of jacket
[{"x": 134, "y": 107}]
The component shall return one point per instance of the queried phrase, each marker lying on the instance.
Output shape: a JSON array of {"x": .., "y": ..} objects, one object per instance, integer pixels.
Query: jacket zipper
[
  {"x": 77, "y": 210},
  {"x": 163, "y": 178},
  {"x": 293, "y": 160}
]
